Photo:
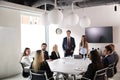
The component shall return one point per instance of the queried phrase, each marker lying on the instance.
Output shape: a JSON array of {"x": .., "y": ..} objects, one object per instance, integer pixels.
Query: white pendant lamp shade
[
  {"x": 85, "y": 22},
  {"x": 72, "y": 19},
  {"x": 55, "y": 17},
  {"x": 44, "y": 19}
]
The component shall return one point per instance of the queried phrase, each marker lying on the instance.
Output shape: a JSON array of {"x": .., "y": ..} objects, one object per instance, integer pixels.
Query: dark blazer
[
  {"x": 44, "y": 67},
  {"x": 108, "y": 60},
  {"x": 54, "y": 56},
  {"x": 91, "y": 70},
  {"x": 72, "y": 43},
  {"x": 46, "y": 55}
]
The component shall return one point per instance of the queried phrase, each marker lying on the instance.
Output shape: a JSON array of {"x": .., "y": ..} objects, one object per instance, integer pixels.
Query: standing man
[
  {"x": 43, "y": 48},
  {"x": 68, "y": 44}
]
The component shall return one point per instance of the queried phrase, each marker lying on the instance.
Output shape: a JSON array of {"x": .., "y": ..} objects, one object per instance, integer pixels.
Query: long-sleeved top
[
  {"x": 54, "y": 55},
  {"x": 91, "y": 70},
  {"x": 107, "y": 60},
  {"x": 26, "y": 60},
  {"x": 44, "y": 67}
]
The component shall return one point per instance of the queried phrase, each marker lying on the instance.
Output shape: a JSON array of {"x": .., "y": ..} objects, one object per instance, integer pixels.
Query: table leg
[{"x": 74, "y": 77}]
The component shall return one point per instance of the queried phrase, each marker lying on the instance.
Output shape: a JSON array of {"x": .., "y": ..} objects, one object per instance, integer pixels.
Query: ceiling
[{"x": 63, "y": 3}]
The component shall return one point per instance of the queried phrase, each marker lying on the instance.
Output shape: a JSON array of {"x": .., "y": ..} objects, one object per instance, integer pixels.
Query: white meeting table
[{"x": 69, "y": 65}]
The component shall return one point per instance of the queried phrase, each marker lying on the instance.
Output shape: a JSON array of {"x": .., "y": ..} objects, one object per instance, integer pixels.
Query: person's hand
[
  {"x": 64, "y": 51},
  {"x": 71, "y": 51}
]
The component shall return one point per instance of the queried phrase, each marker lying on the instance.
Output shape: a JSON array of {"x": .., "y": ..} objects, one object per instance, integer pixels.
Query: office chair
[
  {"x": 110, "y": 70},
  {"x": 84, "y": 78},
  {"x": 25, "y": 73},
  {"x": 101, "y": 74},
  {"x": 40, "y": 75}
]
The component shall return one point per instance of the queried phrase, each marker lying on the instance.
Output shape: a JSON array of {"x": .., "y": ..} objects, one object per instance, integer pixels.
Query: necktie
[{"x": 68, "y": 42}]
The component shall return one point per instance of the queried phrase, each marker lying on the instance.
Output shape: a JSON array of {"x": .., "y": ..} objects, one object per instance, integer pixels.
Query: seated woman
[
  {"x": 26, "y": 61},
  {"x": 40, "y": 64},
  {"x": 94, "y": 66},
  {"x": 55, "y": 53}
]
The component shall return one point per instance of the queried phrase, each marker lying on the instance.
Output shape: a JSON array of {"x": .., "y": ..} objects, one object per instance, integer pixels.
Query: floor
[{"x": 19, "y": 77}]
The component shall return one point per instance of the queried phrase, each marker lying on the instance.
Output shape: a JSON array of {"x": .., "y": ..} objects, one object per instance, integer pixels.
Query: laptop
[{"x": 77, "y": 57}]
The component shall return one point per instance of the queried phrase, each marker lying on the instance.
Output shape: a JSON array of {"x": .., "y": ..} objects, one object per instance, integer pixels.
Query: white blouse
[{"x": 26, "y": 60}]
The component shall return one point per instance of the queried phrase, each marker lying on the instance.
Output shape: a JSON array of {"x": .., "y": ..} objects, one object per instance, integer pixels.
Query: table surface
[{"x": 69, "y": 65}]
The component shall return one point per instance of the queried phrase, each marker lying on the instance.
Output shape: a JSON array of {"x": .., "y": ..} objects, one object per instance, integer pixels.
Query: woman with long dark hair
[
  {"x": 25, "y": 59},
  {"x": 94, "y": 66},
  {"x": 83, "y": 46}
]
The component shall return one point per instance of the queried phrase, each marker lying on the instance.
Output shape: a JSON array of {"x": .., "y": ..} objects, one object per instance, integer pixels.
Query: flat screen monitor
[{"x": 99, "y": 34}]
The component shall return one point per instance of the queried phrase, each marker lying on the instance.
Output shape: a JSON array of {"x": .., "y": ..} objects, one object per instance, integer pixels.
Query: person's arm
[
  {"x": 87, "y": 47},
  {"x": 48, "y": 70},
  {"x": 89, "y": 73},
  {"x": 63, "y": 44},
  {"x": 46, "y": 55},
  {"x": 73, "y": 45},
  {"x": 105, "y": 62},
  {"x": 26, "y": 61},
  {"x": 79, "y": 48},
  {"x": 52, "y": 55}
]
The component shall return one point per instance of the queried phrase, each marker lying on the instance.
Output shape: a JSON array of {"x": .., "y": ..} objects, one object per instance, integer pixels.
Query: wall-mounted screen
[{"x": 99, "y": 34}]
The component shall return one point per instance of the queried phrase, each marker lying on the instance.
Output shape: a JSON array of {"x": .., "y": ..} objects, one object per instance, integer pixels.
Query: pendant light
[
  {"x": 44, "y": 17},
  {"x": 85, "y": 21},
  {"x": 72, "y": 18},
  {"x": 55, "y": 16}
]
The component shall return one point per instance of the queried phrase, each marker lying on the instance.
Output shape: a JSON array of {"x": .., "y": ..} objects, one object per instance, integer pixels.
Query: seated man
[
  {"x": 114, "y": 53},
  {"x": 108, "y": 59},
  {"x": 45, "y": 53}
]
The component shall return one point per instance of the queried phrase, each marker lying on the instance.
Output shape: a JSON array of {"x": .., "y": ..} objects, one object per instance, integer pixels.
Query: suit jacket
[
  {"x": 108, "y": 60},
  {"x": 44, "y": 67},
  {"x": 46, "y": 55},
  {"x": 54, "y": 56},
  {"x": 72, "y": 44}
]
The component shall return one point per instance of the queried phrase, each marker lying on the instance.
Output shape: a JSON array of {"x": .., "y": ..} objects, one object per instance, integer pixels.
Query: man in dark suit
[
  {"x": 68, "y": 44},
  {"x": 108, "y": 59},
  {"x": 116, "y": 56},
  {"x": 46, "y": 55}
]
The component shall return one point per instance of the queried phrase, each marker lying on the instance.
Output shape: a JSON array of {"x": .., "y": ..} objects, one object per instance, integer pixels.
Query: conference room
[{"x": 30, "y": 23}]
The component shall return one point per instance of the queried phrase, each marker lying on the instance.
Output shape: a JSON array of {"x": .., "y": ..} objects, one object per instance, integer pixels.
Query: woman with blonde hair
[
  {"x": 40, "y": 64},
  {"x": 55, "y": 53},
  {"x": 83, "y": 47}
]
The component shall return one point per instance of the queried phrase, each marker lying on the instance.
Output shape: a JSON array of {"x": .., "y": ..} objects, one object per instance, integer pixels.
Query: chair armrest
[{"x": 84, "y": 78}]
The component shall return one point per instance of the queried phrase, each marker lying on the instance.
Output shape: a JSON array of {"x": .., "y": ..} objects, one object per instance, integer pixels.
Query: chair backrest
[
  {"x": 110, "y": 71},
  {"x": 101, "y": 74},
  {"x": 25, "y": 72},
  {"x": 40, "y": 75}
]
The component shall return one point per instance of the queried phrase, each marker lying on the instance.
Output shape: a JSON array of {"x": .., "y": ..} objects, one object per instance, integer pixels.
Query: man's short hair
[
  {"x": 68, "y": 31},
  {"x": 44, "y": 44}
]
